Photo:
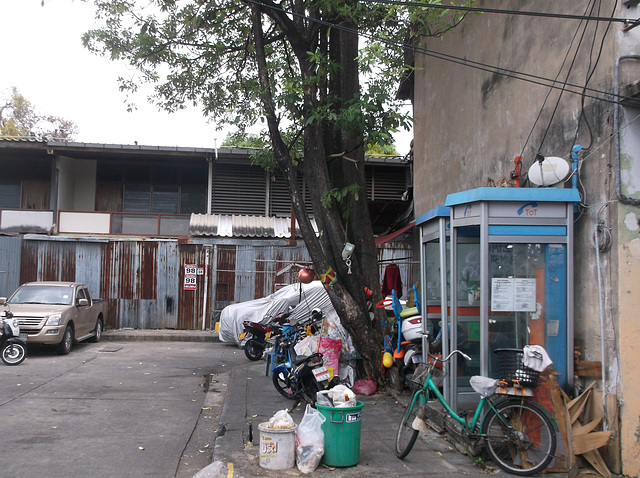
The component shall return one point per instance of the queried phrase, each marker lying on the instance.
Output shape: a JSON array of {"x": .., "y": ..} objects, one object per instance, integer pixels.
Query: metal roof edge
[
  {"x": 513, "y": 194},
  {"x": 438, "y": 211}
]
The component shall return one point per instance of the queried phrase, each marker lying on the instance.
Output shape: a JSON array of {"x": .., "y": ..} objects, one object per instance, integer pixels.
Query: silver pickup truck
[{"x": 57, "y": 313}]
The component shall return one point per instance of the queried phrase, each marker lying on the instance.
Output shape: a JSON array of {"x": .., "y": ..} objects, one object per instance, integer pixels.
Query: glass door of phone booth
[{"x": 509, "y": 267}]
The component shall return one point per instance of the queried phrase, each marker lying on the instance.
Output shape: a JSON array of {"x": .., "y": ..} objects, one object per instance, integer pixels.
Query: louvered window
[
  {"x": 385, "y": 183},
  {"x": 157, "y": 188},
  {"x": 239, "y": 189},
  {"x": 280, "y": 200},
  {"x": 10, "y": 193}
]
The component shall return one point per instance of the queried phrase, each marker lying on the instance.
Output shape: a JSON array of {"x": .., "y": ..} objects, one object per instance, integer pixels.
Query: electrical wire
[
  {"x": 500, "y": 11},
  {"x": 550, "y": 90},
  {"x": 590, "y": 72},
  {"x": 607, "y": 97},
  {"x": 555, "y": 109}
]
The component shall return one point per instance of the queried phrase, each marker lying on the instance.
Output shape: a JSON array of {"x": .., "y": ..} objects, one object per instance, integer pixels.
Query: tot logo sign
[
  {"x": 528, "y": 209},
  {"x": 190, "y": 281}
]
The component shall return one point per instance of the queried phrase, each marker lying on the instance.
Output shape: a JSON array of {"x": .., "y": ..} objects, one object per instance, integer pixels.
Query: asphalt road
[{"x": 113, "y": 409}]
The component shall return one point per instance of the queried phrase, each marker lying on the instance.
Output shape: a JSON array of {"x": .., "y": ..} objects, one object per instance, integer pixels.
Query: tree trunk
[{"x": 347, "y": 295}]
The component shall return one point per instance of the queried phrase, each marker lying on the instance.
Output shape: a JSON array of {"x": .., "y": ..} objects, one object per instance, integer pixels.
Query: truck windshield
[{"x": 42, "y": 295}]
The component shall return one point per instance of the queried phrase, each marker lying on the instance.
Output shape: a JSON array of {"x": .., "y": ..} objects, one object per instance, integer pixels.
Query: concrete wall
[{"x": 472, "y": 123}]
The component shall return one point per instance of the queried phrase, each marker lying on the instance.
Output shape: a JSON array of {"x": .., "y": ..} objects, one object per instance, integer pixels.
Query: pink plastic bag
[
  {"x": 367, "y": 386},
  {"x": 330, "y": 349}
]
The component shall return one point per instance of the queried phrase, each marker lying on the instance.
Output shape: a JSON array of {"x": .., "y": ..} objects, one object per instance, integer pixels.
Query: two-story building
[{"x": 168, "y": 235}]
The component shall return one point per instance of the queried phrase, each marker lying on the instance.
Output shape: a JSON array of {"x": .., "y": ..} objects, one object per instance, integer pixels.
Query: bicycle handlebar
[{"x": 438, "y": 359}]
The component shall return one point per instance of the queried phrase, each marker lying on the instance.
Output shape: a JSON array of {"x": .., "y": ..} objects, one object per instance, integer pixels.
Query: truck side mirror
[
  {"x": 3, "y": 300},
  {"x": 83, "y": 302}
]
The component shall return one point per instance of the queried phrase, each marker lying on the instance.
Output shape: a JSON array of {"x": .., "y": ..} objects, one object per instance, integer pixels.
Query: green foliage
[
  {"x": 377, "y": 149},
  {"x": 244, "y": 140},
  {"x": 201, "y": 52},
  {"x": 339, "y": 197},
  {"x": 19, "y": 119}
]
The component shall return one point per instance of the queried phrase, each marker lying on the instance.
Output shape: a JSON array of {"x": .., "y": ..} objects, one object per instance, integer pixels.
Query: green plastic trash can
[{"x": 341, "y": 434}]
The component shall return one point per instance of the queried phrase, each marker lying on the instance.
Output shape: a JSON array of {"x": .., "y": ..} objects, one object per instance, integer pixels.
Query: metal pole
[{"x": 206, "y": 284}]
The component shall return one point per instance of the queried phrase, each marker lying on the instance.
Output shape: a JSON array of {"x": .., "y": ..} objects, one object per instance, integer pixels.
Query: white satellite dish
[{"x": 550, "y": 171}]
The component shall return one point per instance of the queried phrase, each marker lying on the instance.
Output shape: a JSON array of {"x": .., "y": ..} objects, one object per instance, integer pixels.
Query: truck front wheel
[{"x": 64, "y": 347}]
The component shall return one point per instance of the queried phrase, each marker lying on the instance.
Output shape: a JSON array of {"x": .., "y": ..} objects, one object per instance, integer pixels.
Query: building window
[
  {"x": 158, "y": 189},
  {"x": 10, "y": 193}
]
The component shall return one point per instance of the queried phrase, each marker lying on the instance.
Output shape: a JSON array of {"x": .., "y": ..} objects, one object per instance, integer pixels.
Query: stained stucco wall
[{"x": 472, "y": 123}]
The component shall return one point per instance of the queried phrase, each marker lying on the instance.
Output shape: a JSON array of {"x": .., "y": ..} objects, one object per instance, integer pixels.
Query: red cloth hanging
[{"x": 392, "y": 280}]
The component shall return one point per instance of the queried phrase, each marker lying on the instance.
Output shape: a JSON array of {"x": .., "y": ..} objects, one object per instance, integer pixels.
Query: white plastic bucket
[{"x": 277, "y": 447}]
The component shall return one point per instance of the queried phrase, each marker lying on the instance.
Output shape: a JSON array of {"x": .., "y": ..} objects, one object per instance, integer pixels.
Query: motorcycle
[
  {"x": 12, "y": 346},
  {"x": 257, "y": 335},
  {"x": 300, "y": 377},
  {"x": 261, "y": 335}
]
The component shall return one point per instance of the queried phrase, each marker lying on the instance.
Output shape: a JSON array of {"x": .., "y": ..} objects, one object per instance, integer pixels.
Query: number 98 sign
[{"x": 190, "y": 274}]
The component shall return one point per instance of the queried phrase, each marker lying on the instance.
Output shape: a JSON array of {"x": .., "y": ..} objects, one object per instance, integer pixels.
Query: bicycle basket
[
  {"x": 422, "y": 372},
  {"x": 512, "y": 371}
]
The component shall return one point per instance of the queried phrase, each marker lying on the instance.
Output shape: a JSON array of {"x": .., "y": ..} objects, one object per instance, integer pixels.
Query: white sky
[{"x": 43, "y": 57}]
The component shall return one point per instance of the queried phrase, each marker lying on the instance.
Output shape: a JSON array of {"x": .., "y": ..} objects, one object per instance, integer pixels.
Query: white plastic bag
[
  {"x": 281, "y": 419},
  {"x": 310, "y": 440},
  {"x": 342, "y": 396}
]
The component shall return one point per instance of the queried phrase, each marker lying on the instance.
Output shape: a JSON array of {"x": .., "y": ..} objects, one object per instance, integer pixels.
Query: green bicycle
[{"x": 518, "y": 433}]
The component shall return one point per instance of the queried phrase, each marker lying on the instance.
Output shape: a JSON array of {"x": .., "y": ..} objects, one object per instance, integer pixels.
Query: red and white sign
[{"x": 190, "y": 276}]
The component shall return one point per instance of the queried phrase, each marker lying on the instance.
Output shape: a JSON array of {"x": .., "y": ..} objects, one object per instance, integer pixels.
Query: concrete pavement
[{"x": 250, "y": 398}]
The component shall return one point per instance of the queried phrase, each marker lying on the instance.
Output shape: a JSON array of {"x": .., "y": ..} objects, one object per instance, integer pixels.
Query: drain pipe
[
  {"x": 616, "y": 132},
  {"x": 574, "y": 171}
]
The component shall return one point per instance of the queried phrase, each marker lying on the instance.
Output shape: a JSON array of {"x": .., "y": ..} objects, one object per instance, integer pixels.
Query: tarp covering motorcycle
[{"x": 313, "y": 296}]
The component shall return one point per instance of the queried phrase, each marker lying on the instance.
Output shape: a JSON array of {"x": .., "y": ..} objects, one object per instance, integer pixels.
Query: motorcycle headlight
[
  {"x": 55, "y": 319},
  {"x": 15, "y": 323}
]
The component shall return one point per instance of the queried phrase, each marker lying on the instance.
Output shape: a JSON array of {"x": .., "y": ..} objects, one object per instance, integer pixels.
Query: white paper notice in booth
[
  {"x": 513, "y": 295},
  {"x": 502, "y": 294},
  {"x": 525, "y": 295}
]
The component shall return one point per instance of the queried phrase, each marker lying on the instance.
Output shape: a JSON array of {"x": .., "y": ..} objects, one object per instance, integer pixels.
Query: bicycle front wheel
[
  {"x": 520, "y": 438},
  {"x": 406, "y": 436}
]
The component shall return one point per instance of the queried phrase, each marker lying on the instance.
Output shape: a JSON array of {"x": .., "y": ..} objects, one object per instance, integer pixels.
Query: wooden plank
[
  {"x": 588, "y": 428},
  {"x": 576, "y": 406},
  {"x": 595, "y": 408},
  {"x": 589, "y": 442},
  {"x": 594, "y": 458},
  {"x": 611, "y": 454},
  {"x": 573, "y": 402},
  {"x": 560, "y": 412},
  {"x": 585, "y": 368}
]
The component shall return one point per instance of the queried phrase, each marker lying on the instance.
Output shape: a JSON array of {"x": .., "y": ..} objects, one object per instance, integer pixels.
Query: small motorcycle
[
  {"x": 257, "y": 335},
  {"x": 300, "y": 377},
  {"x": 12, "y": 347},
  {"x": 260, "y": 335}
]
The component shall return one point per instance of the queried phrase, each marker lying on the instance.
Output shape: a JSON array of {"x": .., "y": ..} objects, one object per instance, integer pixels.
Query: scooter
[
  {"x": 260, "y": 335},
  {"x": 300, "y": 377},
  {"x": 12, "y": 347},
  {"x": 257, "y": 335}
]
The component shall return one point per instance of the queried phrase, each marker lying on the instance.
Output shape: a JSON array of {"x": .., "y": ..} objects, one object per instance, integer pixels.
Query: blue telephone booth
[{"x": 510, "y": 276}]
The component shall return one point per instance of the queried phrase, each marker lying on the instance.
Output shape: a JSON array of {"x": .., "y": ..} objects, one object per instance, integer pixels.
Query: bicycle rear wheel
[
  {"x": 406, "y": 436},
  {"x": 520, "y": 438}
]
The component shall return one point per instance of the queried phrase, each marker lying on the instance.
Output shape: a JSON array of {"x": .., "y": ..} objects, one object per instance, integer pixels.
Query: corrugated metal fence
[{"x": 143, "y": 279}]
